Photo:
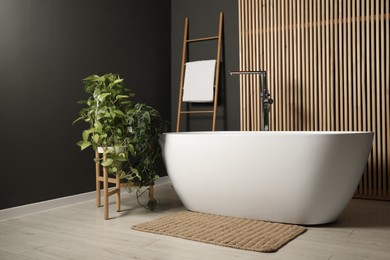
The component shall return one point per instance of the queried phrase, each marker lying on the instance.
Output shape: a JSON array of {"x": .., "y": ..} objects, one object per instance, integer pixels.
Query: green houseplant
[
  {"x": 127, "y": 132},
  {"x": 146, "y": 125}
]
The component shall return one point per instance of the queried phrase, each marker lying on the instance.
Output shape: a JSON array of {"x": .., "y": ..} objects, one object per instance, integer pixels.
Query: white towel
[{"x": 199, "y": 81}]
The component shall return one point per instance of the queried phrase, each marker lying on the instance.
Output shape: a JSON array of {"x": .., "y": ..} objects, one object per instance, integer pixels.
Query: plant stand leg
[
  {"x": 97, "y": 166},
  {"x": 151, "y": 192},
  {"x": 118, "y": 193},
  {"x": 105, "y": 190}
]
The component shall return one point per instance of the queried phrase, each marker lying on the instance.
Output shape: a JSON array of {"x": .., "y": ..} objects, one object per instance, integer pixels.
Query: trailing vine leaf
[
  {"x": 107, "y": 162},
  {"x": 84, "y": 144}
]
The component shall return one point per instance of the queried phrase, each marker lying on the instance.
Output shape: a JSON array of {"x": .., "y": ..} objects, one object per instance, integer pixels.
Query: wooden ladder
[{"x": 186, "y": 41}]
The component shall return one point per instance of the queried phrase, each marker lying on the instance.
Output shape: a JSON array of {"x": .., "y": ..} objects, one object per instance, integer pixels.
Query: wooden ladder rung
[
  {"x": 197, "y": 111},
  {"x": 203, "y": 39}
]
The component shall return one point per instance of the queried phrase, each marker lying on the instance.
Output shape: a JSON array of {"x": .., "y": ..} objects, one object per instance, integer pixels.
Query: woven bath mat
[{"x": 247, "y": 234}]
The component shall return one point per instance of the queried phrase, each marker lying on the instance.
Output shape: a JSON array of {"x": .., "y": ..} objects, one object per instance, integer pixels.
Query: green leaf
[
  {"x": 118, "y": 81},
  {"x": 119, "y": 113},
  {"x": 107, "y": 162},
  {"x": 92, "y": 77},
  {"x": 135, "y": 171},
  {"x": 95, "y": 138},
  {"x": 131, "y": 149},
  {"x": 126, "y": 102},
  {"x": 102, "y": 96},
  {"x": 121, "y": 158},
  {"x": 84, "y": 144},
  {"x": 86, "y": 133},
  {"x": 98, "y": 126},
  {"x": 121, "y": 96},
  {"x": 107, "y": 114}
]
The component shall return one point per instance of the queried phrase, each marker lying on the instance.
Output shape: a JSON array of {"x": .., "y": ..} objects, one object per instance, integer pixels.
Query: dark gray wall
[
  {"x": 46, "y": 48},
  {"x": 203, "y": 21}
]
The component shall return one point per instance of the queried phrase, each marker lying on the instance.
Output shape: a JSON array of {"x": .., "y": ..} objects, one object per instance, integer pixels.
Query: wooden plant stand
[{"x": 105, "y": 179}]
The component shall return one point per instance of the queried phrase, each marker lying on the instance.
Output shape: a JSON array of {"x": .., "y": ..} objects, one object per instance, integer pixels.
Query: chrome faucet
[{"x": 266, "y": 101}]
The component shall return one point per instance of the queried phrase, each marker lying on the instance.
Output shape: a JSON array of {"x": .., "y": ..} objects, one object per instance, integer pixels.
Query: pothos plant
[
  {"x": 146, "y": 126},
  {"x": 118, "y": 126}
]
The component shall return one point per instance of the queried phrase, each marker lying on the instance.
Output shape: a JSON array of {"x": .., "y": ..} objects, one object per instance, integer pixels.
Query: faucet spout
[{"x": 264, "y": 94}]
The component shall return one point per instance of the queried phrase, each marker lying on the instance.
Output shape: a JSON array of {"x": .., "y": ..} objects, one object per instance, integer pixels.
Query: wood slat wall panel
[{"x": 328, "y": 69}]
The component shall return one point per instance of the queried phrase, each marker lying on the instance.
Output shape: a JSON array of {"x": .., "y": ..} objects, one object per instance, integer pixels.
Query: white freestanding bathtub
[{"x": 290, "y": 177}]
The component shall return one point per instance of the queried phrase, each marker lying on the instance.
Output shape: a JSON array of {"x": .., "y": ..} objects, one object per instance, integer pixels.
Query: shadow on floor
[{"x": 364, "y": 213}]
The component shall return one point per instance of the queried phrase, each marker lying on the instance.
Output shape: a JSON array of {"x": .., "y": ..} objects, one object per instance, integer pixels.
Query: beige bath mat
[{"x": 247, "y": 234}]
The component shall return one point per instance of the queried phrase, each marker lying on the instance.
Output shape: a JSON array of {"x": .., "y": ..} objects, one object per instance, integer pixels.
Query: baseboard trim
[{"x": 55, "y": 203}]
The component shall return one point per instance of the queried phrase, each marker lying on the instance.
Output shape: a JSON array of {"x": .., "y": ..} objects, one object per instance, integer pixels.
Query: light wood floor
[{"x": 78, "y": 231}]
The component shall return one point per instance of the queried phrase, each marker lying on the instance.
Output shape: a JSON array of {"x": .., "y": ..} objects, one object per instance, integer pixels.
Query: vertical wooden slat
[
  {"x": 298, "y": 66},
  {"x": 301, "y": 64},
  {"x": 240, "y": 56},
  {"x": 372, "y": 120},
  {"x": 307, "y": 67},
  {"x": 311, "y": 66},
  {"x": 270, "y": 61},
  {"x": 256, "y": 54},
  {"x": 354, "y": 71},
  {"x": 256, "y": 65},
  {"x": 314, "y": 68},
  {"x": 251, "y": 57},
  {"x": 332, "y": 62},
  {"x": 279, "y": 102},
  {"x": 367, "y": 92},
  {"x": 378, "y": 182},
  {"x": 274, "y": 72},
  {"x": 286, "y": 67},
  {"x": 242, "y": 50},
  {"x": 349, "y": 65},
  {"x": 324, "y": 65},
  {"x": 275, "y": 90},
  {"x": 383, "y": 99},
  {"x": 344, "y": 99},
  {"x": 290, "y": 25},
  {"x": 295, "y": 66},
  {"x": 364, "y": 82},
  {"x": 359, "y": 81},
  {"x": 283, "y": 62},
  {"x": 337, "y": 65},
  {"x": 267, "y": 67},
  {"x": 262, "y": 46},
  {"x": 319, "y": 30},
  {"x": 329, "y": 56},
  {"x": 387, "y": 86},
  {"x": 245, "y": 67}
]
